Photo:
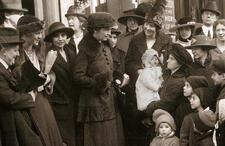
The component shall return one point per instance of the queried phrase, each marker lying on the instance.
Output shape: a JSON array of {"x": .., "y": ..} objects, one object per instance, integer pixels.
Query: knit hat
[
  {"x": 162, "y": 116},
  {"x": 204, "y": 120},
  {"x": 219, "y": 65},
  {"x": 29, "y": 24},
  {"x": 197, "y": 81},
  {"x": 149, "y": 54},
  {"x": 181, "y": 55},
  {"x": 100, "y": 20}
]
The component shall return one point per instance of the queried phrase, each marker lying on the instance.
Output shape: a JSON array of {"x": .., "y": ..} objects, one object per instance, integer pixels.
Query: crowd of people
[{"x": 90, "y": 84}]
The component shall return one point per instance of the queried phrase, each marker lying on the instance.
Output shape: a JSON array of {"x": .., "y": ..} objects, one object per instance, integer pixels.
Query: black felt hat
[
  {"x": 211, "y": 6},
  {"x": 100, "y": 20}
]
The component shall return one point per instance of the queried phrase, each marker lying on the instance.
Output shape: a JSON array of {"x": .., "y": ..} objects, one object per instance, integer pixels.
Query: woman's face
[
  {"x": 199, "y": 53},
  {"x": 172, "y": 63},
  {"x": 220, "y": 32},
  {"x": 74, "y": 22},
  {"x": 194, "y": 101},
  {"x": 33, "y": 38},
  {"x": 112, "y": 40},
  {"x": 185, "y": 32},
  {"x": 149, "y": 29},
  {"x": 217, "y": 78},
  {"x": 102, "y": 34},
  {"x": 187, "y": 89},
  {"x": 132, "y": 24},
  {"x": 59, "y": 39}
]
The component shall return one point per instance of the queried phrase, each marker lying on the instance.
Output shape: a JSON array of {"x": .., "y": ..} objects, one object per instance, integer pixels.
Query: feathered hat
[{"x": 153, "y": 11}]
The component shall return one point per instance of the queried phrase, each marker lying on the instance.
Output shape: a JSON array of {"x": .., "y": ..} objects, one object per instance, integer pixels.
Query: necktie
[{"x": 209, "y": 34}]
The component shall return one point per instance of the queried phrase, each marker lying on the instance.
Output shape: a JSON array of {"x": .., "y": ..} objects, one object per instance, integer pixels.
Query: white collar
[{"x": 4, "y": 63}]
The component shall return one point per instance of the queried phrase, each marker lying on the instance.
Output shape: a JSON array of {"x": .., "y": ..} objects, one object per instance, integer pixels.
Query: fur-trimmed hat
[
  {"x": 181, "y": 54},
  {"x": 100, "y": 20},
  {"x": 29, "y": 24},
  {"x": 197, "y": 81},
  {"x": 162, "y": 116}
]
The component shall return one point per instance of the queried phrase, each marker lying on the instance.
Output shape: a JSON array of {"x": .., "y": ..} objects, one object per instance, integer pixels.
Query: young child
[
  {"x": 165, "y": 129},
  {"x": 149, "y": 80},
  {"x": 190, "y": 83},
  {"x": 197, "y": 127},
  {"x": 218, "y": 77}
]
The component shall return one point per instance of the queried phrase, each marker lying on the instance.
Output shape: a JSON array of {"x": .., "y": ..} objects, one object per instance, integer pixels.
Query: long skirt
[
  {"x": 105, "y": 133},
  {"x": 44, "y": 121}
]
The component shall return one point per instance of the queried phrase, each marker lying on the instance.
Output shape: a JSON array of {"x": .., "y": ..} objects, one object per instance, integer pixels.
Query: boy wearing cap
[
  {"x": 11, "y": 101},
  {"x": 210, "y": 13},
  {"x": 165, "y": 129},
  {"x": 218, "y": 77},
  {"x": 197, "y": 127}
]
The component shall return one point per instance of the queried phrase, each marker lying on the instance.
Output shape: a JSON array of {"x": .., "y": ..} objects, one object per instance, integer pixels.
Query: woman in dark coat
[
  {"x": 93, "y": 71},
  {"x": 62, "y": 98},
  {"x": 41, "y": 115},
  {"x": 201, "y": 65},
  {"x": 171, "y": 94},
  {"x": 151, "y": 37}
]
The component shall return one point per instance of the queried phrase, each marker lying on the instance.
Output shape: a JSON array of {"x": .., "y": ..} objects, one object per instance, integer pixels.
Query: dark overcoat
[
  {"x": 191, "y": 136},
  {"x": 15, "y": 131},
  {"x": 41, "y": 116},
  {"x": 62, "y": 99},
  {"x": 93, "y": 58},
  {"x": 133, "y": 62}
]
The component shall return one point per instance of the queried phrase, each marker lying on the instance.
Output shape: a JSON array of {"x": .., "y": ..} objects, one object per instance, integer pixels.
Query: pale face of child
[
  {"x": 187, "y": 89},
  {"x": 151, "y": 62},
  {"x": 217, "y": 78},
  {"x": 194, "y": 101},
  {"x": 164, "y": 129},
  {"x": 112, "y": 40}
]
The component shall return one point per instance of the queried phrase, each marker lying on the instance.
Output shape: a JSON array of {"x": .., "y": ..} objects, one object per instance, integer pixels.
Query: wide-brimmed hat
[
  {"x": 202, "y": 41},
  {"x": 29, "y": 24},
  {"x": 185, "y": 22},
  {"x": 75, "y": 11},
  {"x": 100, "y": 20},
  {"x": 9, "y": 36},
  {"x": 58, "y": 27},
  {"x": 211, "y": 6},
  {"x": 11, "y": 5},
  {"x": 131, "y": 14}
]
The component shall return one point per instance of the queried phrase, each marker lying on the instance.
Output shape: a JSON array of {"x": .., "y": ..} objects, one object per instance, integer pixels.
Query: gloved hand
[{"x": 102, "y": 82}]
